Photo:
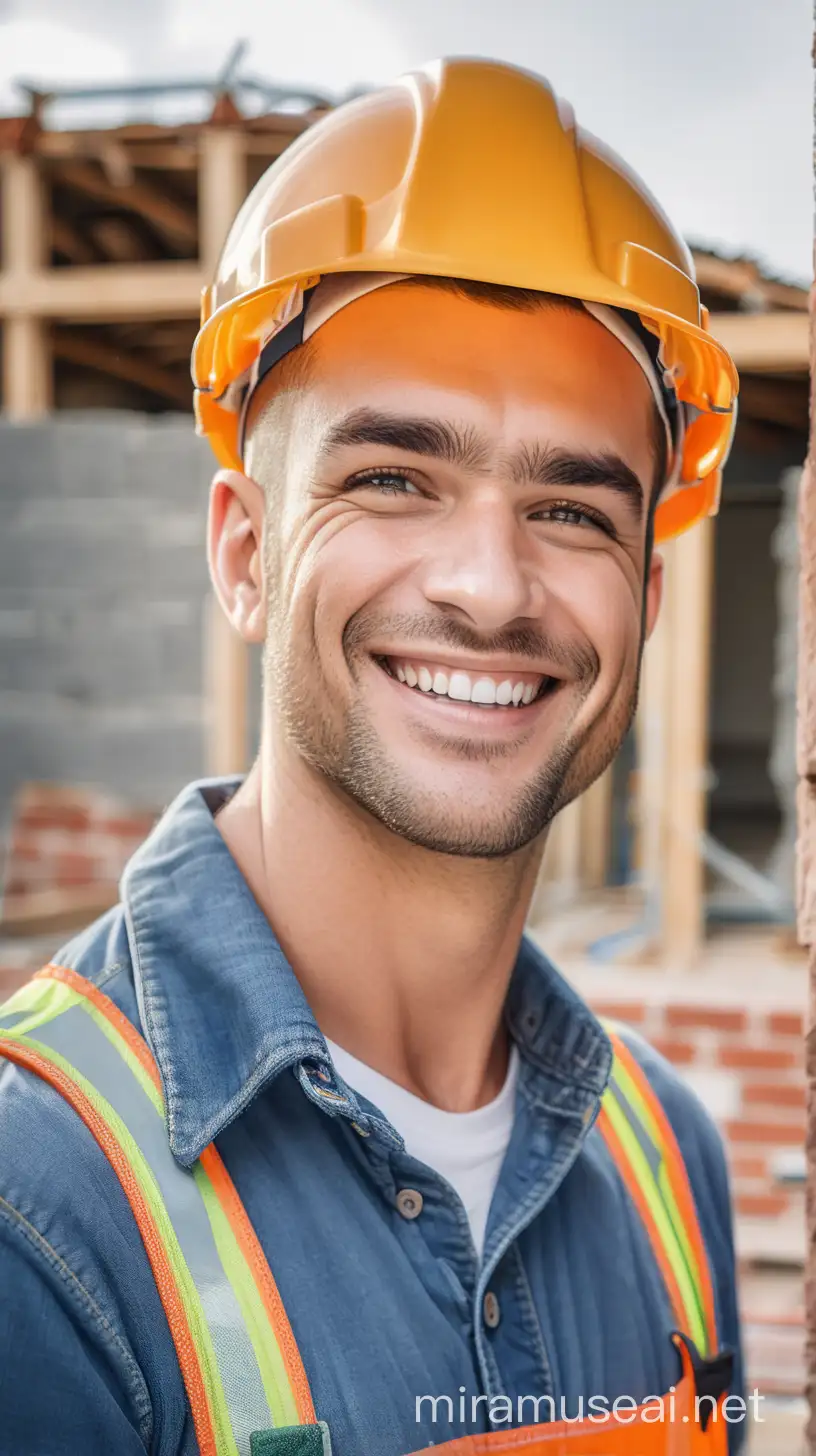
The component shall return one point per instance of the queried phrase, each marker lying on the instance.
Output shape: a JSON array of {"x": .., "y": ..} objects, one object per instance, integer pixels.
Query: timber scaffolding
[{"x": 108, "y": 237}]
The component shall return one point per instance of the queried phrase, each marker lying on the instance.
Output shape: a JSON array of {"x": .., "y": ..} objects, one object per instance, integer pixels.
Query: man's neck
[{"x": 404, "y": 955}]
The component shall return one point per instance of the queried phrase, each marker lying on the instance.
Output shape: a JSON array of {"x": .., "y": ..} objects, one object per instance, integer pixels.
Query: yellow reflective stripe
[
  {"x": 622, "y": 1075},
  {"x": 643, "y": 1173},
  {"x": 274, "y": 1377},
  {"x": 55, "y": 997},
  {"x": 186, "y": 1288},
  {"x": 42, "y": 1000}
]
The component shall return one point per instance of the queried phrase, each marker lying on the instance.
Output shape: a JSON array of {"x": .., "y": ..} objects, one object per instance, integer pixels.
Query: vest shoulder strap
[
  {"x": 238, "y": 1357},
  {"x": 644, "y": 1149}
]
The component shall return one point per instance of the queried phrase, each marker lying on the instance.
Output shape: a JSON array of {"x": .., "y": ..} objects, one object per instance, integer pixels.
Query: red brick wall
[{"x": 64, "y": 837}]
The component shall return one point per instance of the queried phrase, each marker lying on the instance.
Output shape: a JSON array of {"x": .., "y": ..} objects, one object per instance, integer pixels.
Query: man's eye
[
  {"x": 566, "y": 513},
  {"x": 386, "y": 482}
]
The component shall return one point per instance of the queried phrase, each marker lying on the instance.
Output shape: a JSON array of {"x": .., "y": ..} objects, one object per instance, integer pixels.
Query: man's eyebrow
[
  {"x": 454, "y": 444},
  {"x": 462, "y": 446},
  {"x": 551, "y": 466}
]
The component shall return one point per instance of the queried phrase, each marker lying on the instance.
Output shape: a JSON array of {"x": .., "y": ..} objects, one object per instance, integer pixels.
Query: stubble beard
[{"x": 347, "y": 752}]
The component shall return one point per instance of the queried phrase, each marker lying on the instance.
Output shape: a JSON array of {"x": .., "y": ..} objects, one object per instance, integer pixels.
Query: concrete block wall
[{"x": 102, "y": 584}]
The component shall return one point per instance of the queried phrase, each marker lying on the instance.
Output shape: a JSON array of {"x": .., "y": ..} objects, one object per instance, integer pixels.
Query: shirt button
[
  {"x": 490, "y": 1310},
  {"x": 409, "y": 1202}
]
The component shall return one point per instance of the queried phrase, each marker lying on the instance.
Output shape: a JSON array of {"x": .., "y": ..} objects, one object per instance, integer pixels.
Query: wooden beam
[
  {"x": 103, "y": 293},
  {"x": 773, "y": 343},
  {"x": 67, "y": 240},
  {"x": 221, "y": 190},
  {"x": 157, "y": 155},
  {"x": 690, "y": 561},
  {"x": 27, "y": 373},
  {"x": 775, "y": 401},
  {"x": 106, "y": 359},
  {"x": 119, "y": 240},
  {"x": 596, "y": 829},
  {"x": 226, "y": 679},
  {"x": 170, "y": 218},
  {"x": 741, "y": 278},
  {"x": 652, "y": 730},
  {"x": 222, "y": 187}
]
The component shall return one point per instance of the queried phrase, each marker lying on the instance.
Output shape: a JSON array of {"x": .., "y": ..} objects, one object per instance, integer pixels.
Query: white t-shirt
[{"x": 467, "y": 1148}]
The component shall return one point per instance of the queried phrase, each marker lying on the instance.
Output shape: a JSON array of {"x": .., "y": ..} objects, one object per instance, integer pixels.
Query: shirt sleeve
[{"x": 66, "y": 1382}]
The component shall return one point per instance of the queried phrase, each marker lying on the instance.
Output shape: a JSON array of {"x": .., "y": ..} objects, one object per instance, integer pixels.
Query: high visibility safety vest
[{"x": 244, "y": 1378}]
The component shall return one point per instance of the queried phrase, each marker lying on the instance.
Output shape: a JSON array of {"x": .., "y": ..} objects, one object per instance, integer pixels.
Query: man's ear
[
  {"x": 235, "y": 551},
  {"x": 654, "y": 593}
]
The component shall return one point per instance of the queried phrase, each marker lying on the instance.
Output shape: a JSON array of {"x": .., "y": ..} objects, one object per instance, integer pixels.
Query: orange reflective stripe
[
  {"x": 225, "y": 1193},
  {"x": 228, "y": 1197},
  {"x": 627, "y": 1174},
  {"x": 223, "y": 1187},
  {"x": 183, "y": 1341},
  {"x": 678, "y": 1176}
]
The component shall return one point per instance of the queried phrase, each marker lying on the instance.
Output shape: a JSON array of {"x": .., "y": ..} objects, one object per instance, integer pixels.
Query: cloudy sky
[{"x": 711, "y": 100}]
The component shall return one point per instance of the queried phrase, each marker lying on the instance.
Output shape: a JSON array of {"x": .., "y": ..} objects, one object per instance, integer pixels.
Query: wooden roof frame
[{"x": 65, "y": 278}]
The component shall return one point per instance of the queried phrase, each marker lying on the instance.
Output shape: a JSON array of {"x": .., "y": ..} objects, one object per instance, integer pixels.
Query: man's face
[{"x": 455, "y": 564}]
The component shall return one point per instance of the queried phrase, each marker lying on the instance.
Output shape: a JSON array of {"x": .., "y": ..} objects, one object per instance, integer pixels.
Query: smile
[{"x": 512, "y": 690}]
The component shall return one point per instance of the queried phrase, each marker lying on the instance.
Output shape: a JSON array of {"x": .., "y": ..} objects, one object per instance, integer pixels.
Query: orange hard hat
[{"x": 468, "y": 169}]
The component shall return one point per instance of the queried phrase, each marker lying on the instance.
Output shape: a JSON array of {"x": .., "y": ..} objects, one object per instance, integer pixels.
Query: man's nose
[{"x": 482, "y": 563}]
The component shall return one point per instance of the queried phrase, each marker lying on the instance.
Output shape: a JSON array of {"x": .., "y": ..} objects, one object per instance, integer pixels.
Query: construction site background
[{"x": 667, "y": 894}]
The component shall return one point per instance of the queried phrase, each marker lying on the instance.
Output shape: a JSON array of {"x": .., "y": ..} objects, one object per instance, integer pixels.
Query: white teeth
[
  {"x": 458, "y": 687},
  {"x": 462, "y": 688},
  {"x": 484, "y": 691}
]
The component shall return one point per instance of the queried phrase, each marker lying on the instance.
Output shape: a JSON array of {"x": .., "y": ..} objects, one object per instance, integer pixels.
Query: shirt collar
[{"x": 225, "y": 1014}]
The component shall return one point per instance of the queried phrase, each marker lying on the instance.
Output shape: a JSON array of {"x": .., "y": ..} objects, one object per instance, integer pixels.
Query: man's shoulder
[
  {"x": 69, "y": 1248},
  {"x": 43, "y": 1144}
]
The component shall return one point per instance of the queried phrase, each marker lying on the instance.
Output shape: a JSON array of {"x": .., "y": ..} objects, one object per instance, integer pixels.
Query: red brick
[
  {"x": 750, "y": 1058},
  {"x": 749, "y": 1167},
  {"x": 52, "y": 816},
  {"x": 784, "y": 1023},
  {"x": 714, "y": 1016},
  {"x": 678, "y": 1052},
  {"x": 775, "y": 1094},
  {"x": 136, "y": 826},
  {"x": 77, "y": 869},
  {"x": 26, "y": 847},
  {"x": 761, "y": 1205},
  {"x": 784, "y": 1133},
  {"x": 632, "y": 1012}
]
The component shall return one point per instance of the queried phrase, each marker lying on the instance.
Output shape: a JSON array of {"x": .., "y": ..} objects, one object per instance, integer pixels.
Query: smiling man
[{"x": 304, "y": 1148}]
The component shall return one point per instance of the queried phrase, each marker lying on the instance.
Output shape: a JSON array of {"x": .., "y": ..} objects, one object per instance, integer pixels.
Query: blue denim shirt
[{"x": 385, "y": 1310}]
